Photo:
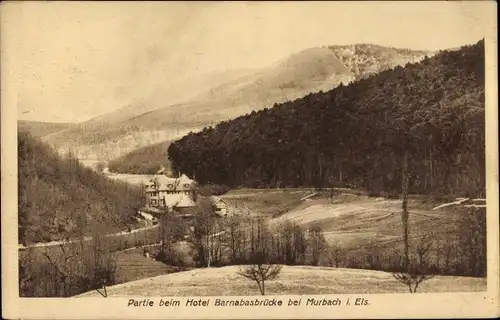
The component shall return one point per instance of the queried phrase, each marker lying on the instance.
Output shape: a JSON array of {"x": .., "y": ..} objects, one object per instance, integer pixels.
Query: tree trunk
[
  {"x": 263, "y": 286},
  {"x": 162, "y": 230},
  {"x": 405, "y": 216},
  {"x": 431, "y": 169}
]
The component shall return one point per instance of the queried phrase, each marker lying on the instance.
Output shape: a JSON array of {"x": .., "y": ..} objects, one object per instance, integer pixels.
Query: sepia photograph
[{"x": 291, "y": 157}]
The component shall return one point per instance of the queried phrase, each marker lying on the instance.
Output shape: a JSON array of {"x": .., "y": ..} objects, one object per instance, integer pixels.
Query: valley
[
  {"x": 308, "y": 159},
  {"x": 353, "y": 226},
  {"x": 229, "y": 159}
]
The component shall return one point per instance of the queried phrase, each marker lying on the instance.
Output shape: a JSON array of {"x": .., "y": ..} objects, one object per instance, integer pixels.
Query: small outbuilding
[{"x": 219, "y": 206}]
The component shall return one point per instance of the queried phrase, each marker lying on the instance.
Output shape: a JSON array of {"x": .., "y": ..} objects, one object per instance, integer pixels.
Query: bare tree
[
  {"x": 292, "y": 243},
  {"x": 260, "y": 273},
  {"x": 234, "y": 237},
  {"x": 412, "y": 274},
  {"x": 172, "y": 228},
  {"x": 64, "y": 275},
  {"x": 261, "y": 267},
  {"x": 317, "y": 244},
  {"x": 405, "y": 214},
  {"x": 412, "y": 280},
  {"x": 472, "y": 240},
  {"x": 419, "y": 271},
  {"x": 448, "y": 253},
  {"x": 202, "y": 231},
  {"x": 335, "y": 256}
]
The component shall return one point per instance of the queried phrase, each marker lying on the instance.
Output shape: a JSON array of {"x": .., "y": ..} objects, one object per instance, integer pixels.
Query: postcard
[{"x": 248, "y": 160}]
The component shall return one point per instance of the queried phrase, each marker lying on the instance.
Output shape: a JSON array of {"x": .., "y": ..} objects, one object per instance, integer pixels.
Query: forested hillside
[
  {"x": 145, "y": 160},
  {"x": 167, "y": 111},
  {"x": 40, "y": 129},
  {"x": 430, "y": 113},
  {"x": 59, "y": 198}
]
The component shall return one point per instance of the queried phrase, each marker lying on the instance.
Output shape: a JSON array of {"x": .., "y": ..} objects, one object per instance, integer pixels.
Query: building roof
[
  {"x": 185, "y": 202},
  {"x": 216, "y": 200},
  {"x": 184, "y": 183},
  {"x": 164, "y": 183},
  {"x": 179, "y": 200}
]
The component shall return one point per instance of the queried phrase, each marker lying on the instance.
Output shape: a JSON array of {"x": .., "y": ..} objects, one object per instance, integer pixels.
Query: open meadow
[
  {"x": 366, "y": 232},
  {"x": 346, "y": 219},
  {"x": 293, "y": 280}
]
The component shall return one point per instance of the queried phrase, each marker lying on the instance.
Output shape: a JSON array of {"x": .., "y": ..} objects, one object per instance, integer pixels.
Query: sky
[{"x": 71, "y": 61}]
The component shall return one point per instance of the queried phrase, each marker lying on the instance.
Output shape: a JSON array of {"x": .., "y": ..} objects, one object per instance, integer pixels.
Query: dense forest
[
  {"x": 60, "y": 198},
  {"x": 145, "y": 160},
  {"x": 430, "y": 113},
  {"x": 39, "y": 129}
]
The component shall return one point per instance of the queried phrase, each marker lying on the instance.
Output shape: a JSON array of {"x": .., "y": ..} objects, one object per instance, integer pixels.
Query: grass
[
  {"x": 293, "y": 280},
  {"x": 133, "y": 265},
  {"x": 353, "y": 221},
  {"x": 361, "y": 226},
  {"x": 267, "y": 202}
]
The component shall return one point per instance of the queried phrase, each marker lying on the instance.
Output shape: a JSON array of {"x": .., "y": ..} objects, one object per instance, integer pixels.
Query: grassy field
[
  {"x": 133, "y": 265},
  {"x": 293, "y": 280},
  {"x": 353, "y": 221},
  {"x": 267, "y": 202},
  {"x": 358, "y": 224},
  {"x": 361, "y": 226},
  {"x": 348, "y": 220}
]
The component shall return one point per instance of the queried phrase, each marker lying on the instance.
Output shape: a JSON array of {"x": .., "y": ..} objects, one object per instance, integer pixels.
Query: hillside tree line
[
  {"x": 431, "y": 113},
  {"x": 59, "y": 198}
]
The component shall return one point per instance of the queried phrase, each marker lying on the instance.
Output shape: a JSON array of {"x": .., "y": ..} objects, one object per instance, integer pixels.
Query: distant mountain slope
[
  {"x": 40, "y": 129},
  {"x": 363, "y": 60},
  {"x": 110, "y": 135},
  {"x": 60, "y": 198},
  {"x": 158, "y": 118},
  {"x": 432, "y": 112}
]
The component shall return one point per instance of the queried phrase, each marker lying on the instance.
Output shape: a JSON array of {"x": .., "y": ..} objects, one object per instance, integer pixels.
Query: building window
[
  {"x": 153, "y": 202},
  {"x": 162, "y": 202}
]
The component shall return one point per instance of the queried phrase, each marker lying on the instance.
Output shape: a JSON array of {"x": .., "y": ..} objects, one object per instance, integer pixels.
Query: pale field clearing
[{"x": 297, "y": 280}]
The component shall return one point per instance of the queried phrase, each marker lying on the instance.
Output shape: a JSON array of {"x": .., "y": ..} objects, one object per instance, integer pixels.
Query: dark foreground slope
[
  {"x": 59, "y": 198},
  {"x": 431, "y": 112}
]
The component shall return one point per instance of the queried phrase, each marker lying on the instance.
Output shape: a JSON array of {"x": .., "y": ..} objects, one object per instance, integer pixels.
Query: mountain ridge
[
  {"x": 433, "y": 110},
  {"x": 310, "y": 70}
]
